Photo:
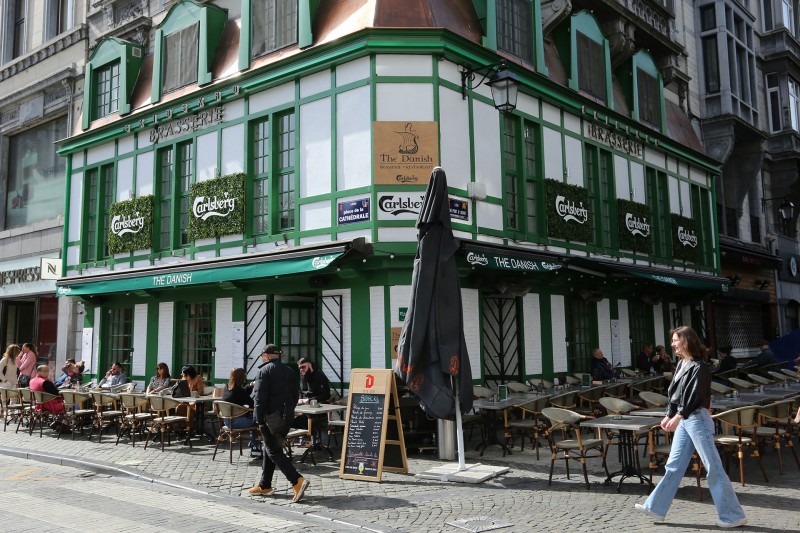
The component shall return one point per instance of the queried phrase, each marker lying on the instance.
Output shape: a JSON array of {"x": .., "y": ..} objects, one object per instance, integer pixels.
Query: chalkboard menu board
[{"x": 372, "y": 414}]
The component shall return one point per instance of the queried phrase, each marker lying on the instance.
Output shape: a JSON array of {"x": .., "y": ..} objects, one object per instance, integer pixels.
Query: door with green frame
[
  {"x": 581, "y": 334},
  {"x": 117, "y": 344},
  {"x": 296, "y": 325}
]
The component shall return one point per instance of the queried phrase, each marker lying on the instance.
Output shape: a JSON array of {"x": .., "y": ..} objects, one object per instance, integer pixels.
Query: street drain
[{"x": 480, "y": 523}]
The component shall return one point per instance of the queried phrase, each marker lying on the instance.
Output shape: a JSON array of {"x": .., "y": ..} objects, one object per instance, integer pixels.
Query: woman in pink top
[{"x": 26, "y": 361}]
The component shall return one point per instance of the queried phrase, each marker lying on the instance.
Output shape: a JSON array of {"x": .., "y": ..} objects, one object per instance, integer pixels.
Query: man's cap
[
  {"x": 272, "y": 349},
  {"x": 303, "y": 360},
  {"x": 764, "y": 342}
]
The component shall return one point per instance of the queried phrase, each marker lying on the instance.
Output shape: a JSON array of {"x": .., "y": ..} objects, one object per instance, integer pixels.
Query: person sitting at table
[
  {"x": 188, "y": 373},
  {"x": 314, "y": 385},
  {"x": 71, "y": 373},
  {"x": 765, "y": 357},
  {"x": 161, "y": 380},
  {"x": 601, "y": 367},
  {"x": 726, "y": 360},
  {"x": 239, "y": 392},
  {"x": 115, "y": 376},
  {"x": 663, "y": 363},
  {"x": 646, "y": 359},
  {"x": 41, "y": 382}
]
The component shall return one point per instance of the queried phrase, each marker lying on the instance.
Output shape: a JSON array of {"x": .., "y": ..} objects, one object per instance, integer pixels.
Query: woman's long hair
[
  {"x": 692, "y": 346},
  {"x": 30, "y": 346},
  {"x": 165, "y": 368},
  {"x": 12, "y": 352},
  {"x": 237, "y": 379}
]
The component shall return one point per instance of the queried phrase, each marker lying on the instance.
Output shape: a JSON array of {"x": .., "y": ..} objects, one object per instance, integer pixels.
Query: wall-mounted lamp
[
  {"x": 762, "y": 284},
  {"x": 735, "y": 280},
  {"x": 785, "y": 211},
  {"x": 503, "y": 83}
]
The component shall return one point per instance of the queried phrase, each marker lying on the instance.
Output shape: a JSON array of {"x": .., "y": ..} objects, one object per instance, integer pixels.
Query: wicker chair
[
  {"x": 653, "y": 399},
  {"x": 737, "y": 424},
  {"x": 529, "y": 424},
  {"x": 135, "y": 417},
  {"x": 77, "y": 414},
  {"x": 163, "y": 421},
  {"x": 565, "y": 423},
  {"x": 26, "y": 410},
  {"x": 228, "y": 412},
  {"x": 775, "y": 421},
  {"x": 742, "y": 384},
  {"x": 105, "y": 413},
  {"x": 40, "y": 415},
  {"x": 10, "y": 404}
]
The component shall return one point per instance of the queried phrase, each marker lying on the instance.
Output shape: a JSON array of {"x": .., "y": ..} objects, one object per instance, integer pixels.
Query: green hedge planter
[
  {"x": 131, "y": 225},
  {"x": 635, "y": 226},
  {"x": 685, "y": 242},
  {"x": 216, "y": 207},
  {"x": 574, "y": 221}
]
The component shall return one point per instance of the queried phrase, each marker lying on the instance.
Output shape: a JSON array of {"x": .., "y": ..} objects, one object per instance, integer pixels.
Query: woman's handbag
[
  {"x": 181, "y": 389},
  {"x": 23, "y": 381},
  {"x": 275, "y": 423}
]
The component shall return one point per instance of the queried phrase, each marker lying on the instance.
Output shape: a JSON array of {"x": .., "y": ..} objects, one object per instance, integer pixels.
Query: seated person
[
  {"x": 601, "y": 367},
  {"x": 71, "y": 373},
  {"x": 765, "y": 357},
  {"x": 726, "y": 360},
  {"x": 236, "y": 391},
  {"x": 113, "y": 377},
  {"x": 41, "y": 382},
  {"x": 314, "y": 385},
  {"x": 645, "y": 360},
  {"x": 161, "y": 380},
  {"x": 196, "y": 384},
  {"x": 663, "y": 363}
]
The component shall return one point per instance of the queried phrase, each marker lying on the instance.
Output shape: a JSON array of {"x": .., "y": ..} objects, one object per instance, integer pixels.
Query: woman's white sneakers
[
  {"x": 735, "y": 523},
  {"x": 655, "y": 516}
]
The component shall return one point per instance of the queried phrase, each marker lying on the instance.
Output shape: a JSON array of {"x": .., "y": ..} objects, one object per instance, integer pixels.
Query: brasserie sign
[
  {"x": 197, "y": 121},
  {"x": 613, "y": 140}
]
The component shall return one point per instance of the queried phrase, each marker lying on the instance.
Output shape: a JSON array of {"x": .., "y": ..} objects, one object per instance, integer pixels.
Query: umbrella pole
[{"x": 459, "y": 432}]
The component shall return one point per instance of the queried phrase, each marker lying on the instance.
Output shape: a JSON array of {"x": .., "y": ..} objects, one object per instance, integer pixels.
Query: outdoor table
[
  {"x": 628, "y": 427},
  {"x": 201, "y": 414},
  {"x": 493, "y": 407},
  {"x": 653, "y": 411},
  {"x": 314, "y": 429}
]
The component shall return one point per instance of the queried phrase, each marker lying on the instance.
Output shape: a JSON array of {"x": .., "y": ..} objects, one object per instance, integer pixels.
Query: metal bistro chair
[
  {"x": 563, "y": 401},
  {"x": 529, "y": 424},
  {"x": 76, "y": 414},
  {"x": 577, "y": 448},
  {"x": 40, "y": 415},
  {"x": 163, "y": 421},
  {"x": 228, "y": 412},
  {"x": 136, "y": 415},
  {"x": 736, "y": 423},
  {"x": 106, "y": 413},
  {"x": 653, "y": 399},
  {"x": 26, "y": 411},
  {"x": 588, "y": 401},
  {"x": 11, "y": 405},
  {"x": 742, "y": 384},
  {"x": 774, "y": 428},
  {"x": 617, "y": 390},
  {"x": 760, "y": 380}
]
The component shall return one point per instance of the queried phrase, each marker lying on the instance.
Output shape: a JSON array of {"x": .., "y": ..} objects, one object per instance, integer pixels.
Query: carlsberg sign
[
  {"x": 120, "y": 224},
  {"x": 569, "y": 211},
  {"x": 636, "y": 225},
  {"x": 206, "y": 206}
]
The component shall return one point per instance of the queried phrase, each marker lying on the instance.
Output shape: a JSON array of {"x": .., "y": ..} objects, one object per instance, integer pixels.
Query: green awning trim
[
  {"x": 187, "y": 276},
  {"x": 712, "y": 285},
  {"x": 517, "y": 263}
]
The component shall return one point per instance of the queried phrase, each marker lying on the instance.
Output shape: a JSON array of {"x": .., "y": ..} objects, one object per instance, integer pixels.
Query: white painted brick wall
[
  {"x": 559, "y": 318},
  {"x": 166, "y": 317},
  {"x": 223, "y": 339},
  {"x": 377, "y": 327},
  {"x": 624, "y": 334},
  {"x": 470, "y": 300},
  {"x": 604, "y": 326},
  {"x": 531, "y": 310}
]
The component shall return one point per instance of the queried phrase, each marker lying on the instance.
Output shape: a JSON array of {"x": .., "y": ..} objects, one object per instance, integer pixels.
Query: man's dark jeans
[{"x": 273, "y": 446}]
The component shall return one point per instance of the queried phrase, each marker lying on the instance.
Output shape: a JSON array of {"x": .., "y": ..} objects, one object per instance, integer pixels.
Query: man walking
[{"x": 276, "y": 391}]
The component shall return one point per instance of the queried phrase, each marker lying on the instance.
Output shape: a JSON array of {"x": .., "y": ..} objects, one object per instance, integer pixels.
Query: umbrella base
[{"x": 472, "y": 473}]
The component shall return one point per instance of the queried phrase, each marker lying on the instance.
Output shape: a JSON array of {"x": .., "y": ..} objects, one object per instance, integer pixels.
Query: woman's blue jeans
[
  {"x": 244, "y": 422},
  {"x": 696, "y": 432}
]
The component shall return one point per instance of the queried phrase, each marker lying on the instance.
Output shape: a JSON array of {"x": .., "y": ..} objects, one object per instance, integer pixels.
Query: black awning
[{"x": 508, "y": 258}]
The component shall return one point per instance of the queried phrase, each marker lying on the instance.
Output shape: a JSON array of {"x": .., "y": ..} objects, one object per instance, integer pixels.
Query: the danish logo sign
[
  {"x": 206, "y": 207},
  {"x": 122, "y": 225}
]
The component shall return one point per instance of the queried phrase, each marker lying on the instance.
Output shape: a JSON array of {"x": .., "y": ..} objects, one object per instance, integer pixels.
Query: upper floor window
[
  {"x": 180, "y": 58},
  {"x": 522, "y": 182},
  {"x": 774, "y": 102},
  {"x": 649, "y": 101},
  {"x": 18, "y": 34},
  {"x": 175, "y": 171},
  {"x": 515, "y": 28},
  {"x": 787, "y": 12},
  {"x": 586, "y": 55},
  {"x": 274, "y": 25},
  {"x": 106, "y": 90},
  {"x": 273, "y": 164},
  {"x": 794, "y": 104},
  {"x": 59, "y": 17},
  {"x": 591, "y": 67},
  {"x": 99, "y": 191}
]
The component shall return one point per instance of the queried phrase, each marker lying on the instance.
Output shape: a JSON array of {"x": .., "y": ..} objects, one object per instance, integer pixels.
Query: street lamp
[
  {"x": 785, "y": 210},
  {"x": 503, "y": 83}
]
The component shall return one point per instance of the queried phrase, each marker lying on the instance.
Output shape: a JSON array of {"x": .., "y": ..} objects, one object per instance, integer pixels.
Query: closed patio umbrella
[{"x": 432, "y": 353}]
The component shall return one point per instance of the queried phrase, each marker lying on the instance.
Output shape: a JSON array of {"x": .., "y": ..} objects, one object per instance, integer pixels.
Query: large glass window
[
  {"x": 106, "y": 90},
  {"x": 274, "y": 25},
  {"x": 175, "y": 171},
  {"x": 180, "y": 58},
  {"x": 591, "y": 67},
  {"x": 261, "y": 139},
  {"x": 18, "y": 38},
  {"x": 600, "y": 186},
  {"x": 286, "y": 171},
  {"x": 711, "y": 64},
  {"x": 119, "y": 339},
  {"x": 649, "y": 101},
  {"x": 582, "y": 331},
  {"x": 197, "y": 338},
  {"x": 514, "y": 28},
  {"x": 658, "y": 200},
  {"x": 59, "y": 16},
  {"x": 766, "y": 9},
  {"x": 787, "y": 10},
  {"x": 794, "y": 104},
  {"x": 774, "y": 102},
  {"x": 640, "y": 322},
  {"x": 298, "y": 329},
  {"x": 35, "y": 179},
  {"x": 99, "y": 191},
  {"x": 273, "y": 164},
  {"x": 520, "y": 177}
]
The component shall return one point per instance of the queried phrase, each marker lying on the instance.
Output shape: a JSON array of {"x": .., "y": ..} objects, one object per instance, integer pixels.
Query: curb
[{"x": 116, "y": 471}]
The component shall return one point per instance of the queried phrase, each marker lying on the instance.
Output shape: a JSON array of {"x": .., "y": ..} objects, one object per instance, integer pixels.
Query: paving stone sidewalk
[{"x": 405, "y": 502}]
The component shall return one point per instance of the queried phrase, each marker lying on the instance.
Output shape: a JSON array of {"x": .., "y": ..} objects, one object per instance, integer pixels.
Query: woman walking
[
  {"x": 687, "y": 415},
  {"x": 8, "y": 367}
]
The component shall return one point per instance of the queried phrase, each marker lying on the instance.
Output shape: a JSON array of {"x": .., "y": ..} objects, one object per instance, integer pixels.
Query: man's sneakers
[
  {"x": 735, "y": 523},
  {"x": 655, "y": 516},
  {"x": 299, "y": 489},
  {"x": 258, "y": 490}
]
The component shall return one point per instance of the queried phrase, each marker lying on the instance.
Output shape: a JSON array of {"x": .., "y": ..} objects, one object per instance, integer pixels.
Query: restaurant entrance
[{"x": 500, "y": 330}]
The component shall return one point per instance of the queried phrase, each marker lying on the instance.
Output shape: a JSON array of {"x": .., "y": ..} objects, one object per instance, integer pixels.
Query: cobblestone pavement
[{"x": 405, "y": 502}]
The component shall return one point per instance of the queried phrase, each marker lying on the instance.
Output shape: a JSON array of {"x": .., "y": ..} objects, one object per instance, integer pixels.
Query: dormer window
[
  {"x": 649, "y": 98},
  {"x": 180, "y": 58},
  {"x": 515, "y": 28},
  {"x": 586, "y": 55},
  {"x": 591, "y": 67},
  {"x": 643, "y": 86},
  {"x": 106, "y": 90},
  {"x": 274, "y": 25}
]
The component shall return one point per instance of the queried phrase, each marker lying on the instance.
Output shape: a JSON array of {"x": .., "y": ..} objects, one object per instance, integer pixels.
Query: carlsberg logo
[
  {"x": 686, "y": 238},
  {"x": 213, "y": 207},
  {"x": 322, "y": 262},
  {"x": 477, "y": 259},
  {"x": 120, "y": 226},
  {"x": 636, "y": 226},
  {"x": 569, "y": 211}
]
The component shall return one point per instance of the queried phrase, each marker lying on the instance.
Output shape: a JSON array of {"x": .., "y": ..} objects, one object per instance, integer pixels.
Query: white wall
[
  {"x": 559, "y": 329},
  {"x": 377, "y": 327},
  {"x": 353, "y": 144},
  {"x": 624, "y": 333},
  {"x": 139, "y": 357},
  {"x": 206, "y": 156},
  {"x": 166, "y": 318},
  {"x": 224, "y": 359},
  {"x": 470, "y": 300},
  {"x": 404, "y": 101},
  {"x": 233, "y": 140},
  {"x": 531, "y": 311},
  {"x": 486, "y": 120},
  {"x": 315, "y": 148},
  {"x": 454, "y": 143}
]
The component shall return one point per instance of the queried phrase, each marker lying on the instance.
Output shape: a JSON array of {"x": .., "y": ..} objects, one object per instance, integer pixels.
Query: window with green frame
[
  {"x": 658, "y": 200},
  {"x": 175, "y": 171},
  {"x": 119, "y": 338},
  {"x": 701, "y": 213},
  {"x": 600, "y": 188},
  {"x": 515, "y": 28},
  {"x": 298, "y": 329},
  {"x": 591, "y": 66},
  {"x": 521, "y": 182},
  {"x": 582, "y": 334},
  {"x": 273, "y": 25},
  {"x": 273, "y": 169},
  {"x": 640, "y": 322},
  {"x": 196, "y": 342},
  {"x": 99, "y": 195},
  {"x": 106, "y": 90},
  {"x": 649, "y": 98}
]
